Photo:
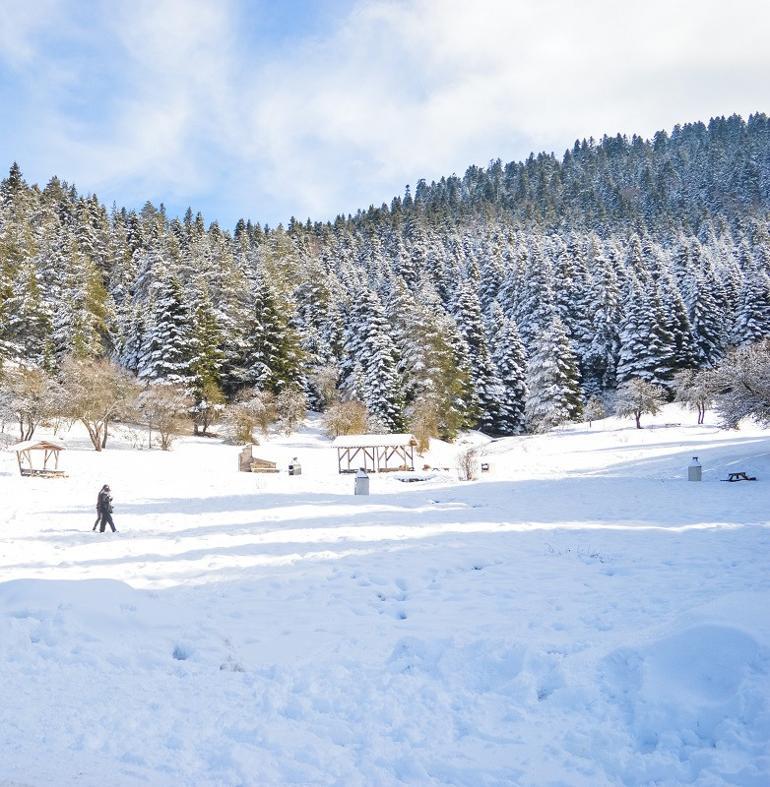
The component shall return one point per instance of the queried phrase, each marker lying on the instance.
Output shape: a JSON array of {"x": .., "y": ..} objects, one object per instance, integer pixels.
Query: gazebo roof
[
  {"x": 41, "y": 445},
  {"x": 374, "y": 440}
]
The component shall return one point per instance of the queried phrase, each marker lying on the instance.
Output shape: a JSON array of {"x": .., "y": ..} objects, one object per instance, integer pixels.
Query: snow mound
[{"x": 689, "y": 703}]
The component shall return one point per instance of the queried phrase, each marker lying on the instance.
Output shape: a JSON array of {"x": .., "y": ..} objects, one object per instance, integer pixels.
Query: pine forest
[{"x": 503, "y": 300}]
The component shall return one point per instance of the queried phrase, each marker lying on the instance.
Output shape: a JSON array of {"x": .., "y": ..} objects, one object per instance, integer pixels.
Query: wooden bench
[
  {"x": 33, "y": 472},
  {"x": 741, "y": 476},
  {"x": 263, "y": 466}
]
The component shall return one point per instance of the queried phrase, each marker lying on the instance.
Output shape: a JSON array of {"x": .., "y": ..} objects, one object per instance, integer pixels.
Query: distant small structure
[
  {"x": 50, "y": 451},
  {"x": 248, "y": 463},
  {"x": 295, "y": 468},
  {"x": 375, "y": 453}
]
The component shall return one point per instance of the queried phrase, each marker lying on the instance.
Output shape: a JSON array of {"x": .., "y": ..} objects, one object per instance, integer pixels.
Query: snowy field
[{"x": 582, "y": 615}]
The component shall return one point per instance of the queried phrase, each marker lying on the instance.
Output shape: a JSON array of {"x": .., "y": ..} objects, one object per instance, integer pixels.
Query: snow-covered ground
[{"x": 582, "y": 615}]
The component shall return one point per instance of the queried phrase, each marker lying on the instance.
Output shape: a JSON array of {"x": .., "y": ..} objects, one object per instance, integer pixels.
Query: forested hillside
[{"x": 502, "y": 299}]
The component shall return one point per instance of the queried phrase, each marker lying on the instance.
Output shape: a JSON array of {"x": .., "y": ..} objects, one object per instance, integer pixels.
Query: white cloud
[
  {"x": 404, "y": 90},
  {"x": 21, "y": 24},
  {"x": 395, "y": 91}
]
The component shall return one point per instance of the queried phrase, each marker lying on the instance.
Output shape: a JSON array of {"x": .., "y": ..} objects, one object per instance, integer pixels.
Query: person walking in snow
[{"x": 104, "y": 509}]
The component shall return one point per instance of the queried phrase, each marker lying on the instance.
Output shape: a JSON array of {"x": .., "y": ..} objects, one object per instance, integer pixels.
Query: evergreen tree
[
  {"x": 511, "y": 367},
  {"x": 271, "y": 353},
  {"x": 374, "y": 378},
  {"x": 684, "y": 353},
  {"x": 206, "y": 355},
  {"x": 752, "y": 321},
  {"x": 646, "y": 345},
  {"x": 467, "y": 314},
  {"x": 603, "y": 340},
  {"x": 166, "y": 351},
  {"x": 534, "y": 305},
  {"x": 29, "y": 328},
  {"x": 553, "y": 380}
]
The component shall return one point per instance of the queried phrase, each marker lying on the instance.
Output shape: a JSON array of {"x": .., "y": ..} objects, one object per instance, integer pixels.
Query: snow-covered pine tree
[
  {"x": 646, "y": 345},
  {"x": 374, "y": 378},
  {"x": 752, "y": 320},
  {"x": 684, "y": 354},
  {"x": 206, "y": 356},
  {"x": 510, "y": 363},
  {"x": 166, "y": 350},
  {"x": 271, "y": 358},
  {"x": 533, "y": 309},
  {"x": 571, "y": 292},
  {"x": 603, "y": 340},
  {"x": 553, "y": 379},
  {"x": 29, "y": 326},
  {"x": 83, "y": 315},
  {"x": 467, "y": 314}
]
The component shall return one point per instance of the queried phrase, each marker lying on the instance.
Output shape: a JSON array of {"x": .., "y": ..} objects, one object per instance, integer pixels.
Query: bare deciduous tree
[
  {"x": 210, "y": 407},
  {"x": 346, "y": 418},
  {"x": 637, "y": 397},
  {"x": 28, "y": 396},
  {"x": 166, "y": 409},
  {"x": 742, "y": 385},
  {"x": 695, "y": 389},
  {"x": 291, "y": 405},
  {"x": 96, "y": 393},
  {"x": 252, "y": 410},
  {"x": 594, "y": 410},
  {"x": 468, "y": 464},
  {"x": 425, "y": 421},
  {"x": 324, "y": 380}
]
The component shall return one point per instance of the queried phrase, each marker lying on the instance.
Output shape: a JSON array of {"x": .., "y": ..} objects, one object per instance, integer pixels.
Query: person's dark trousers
[
  {"x": 107, "y": 520},
  {"x": 98, "y": 519}
]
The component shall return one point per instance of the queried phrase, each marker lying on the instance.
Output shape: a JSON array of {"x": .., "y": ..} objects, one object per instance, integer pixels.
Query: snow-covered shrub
[
  {"x": 345, "y": 418},
  {"x": 637, "y": 397},
  {"x": 468, "y": 464}
]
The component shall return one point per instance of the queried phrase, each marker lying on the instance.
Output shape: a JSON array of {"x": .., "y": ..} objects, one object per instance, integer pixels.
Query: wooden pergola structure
[
  {"x": 50, "y": 450},
  {"x": 375, "y": 453}
]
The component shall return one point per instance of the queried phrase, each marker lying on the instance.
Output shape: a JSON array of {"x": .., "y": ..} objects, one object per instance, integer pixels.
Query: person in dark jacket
[{"x": 104, "y": 509}]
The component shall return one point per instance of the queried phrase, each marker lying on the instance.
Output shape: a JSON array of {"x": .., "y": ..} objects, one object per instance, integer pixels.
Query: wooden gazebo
[
  {"x": 376, "y": 453},
  {"x": 50, "y": 451}
]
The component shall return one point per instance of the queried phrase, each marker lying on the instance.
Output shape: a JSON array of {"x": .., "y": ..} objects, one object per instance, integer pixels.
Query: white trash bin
[
  {"x": 362, "y": 483},
  {"x": 694, "y": 470}
]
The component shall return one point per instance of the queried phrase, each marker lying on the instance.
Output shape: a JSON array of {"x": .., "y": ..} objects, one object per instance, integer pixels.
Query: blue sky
[{"x": 272, "y": 109}]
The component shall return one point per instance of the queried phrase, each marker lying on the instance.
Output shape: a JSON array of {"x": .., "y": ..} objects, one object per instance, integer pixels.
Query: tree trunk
[
  {"x": 638, "y": 417},
  {"x": 95, "y": 434},
  {"x": 27, "y": 428},
  {"x": 104, "y": 437}
]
